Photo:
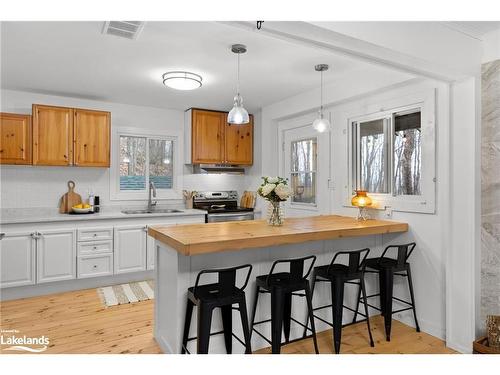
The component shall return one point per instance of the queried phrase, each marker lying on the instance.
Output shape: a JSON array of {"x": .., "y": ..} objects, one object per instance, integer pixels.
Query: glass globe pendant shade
[
  {"x": 238, "y": 114},
  {"x": 321, "y": 124}
]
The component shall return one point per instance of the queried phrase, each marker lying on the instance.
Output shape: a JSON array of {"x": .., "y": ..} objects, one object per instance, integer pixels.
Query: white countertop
[{"x": 39, "y": 215}]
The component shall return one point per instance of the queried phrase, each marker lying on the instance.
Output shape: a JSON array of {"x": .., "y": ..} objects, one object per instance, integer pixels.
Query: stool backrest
[
  {"x": 226, "y": 279},
  {"x": 404, "y": 252},
  {"x": 355, "y": 261},
  {"x": 296, "y": 269}
]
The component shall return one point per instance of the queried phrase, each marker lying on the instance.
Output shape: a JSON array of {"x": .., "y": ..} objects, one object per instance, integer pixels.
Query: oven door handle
[
  {"x": 250, "y": 213},
  {"x": 215, "y": 206}
]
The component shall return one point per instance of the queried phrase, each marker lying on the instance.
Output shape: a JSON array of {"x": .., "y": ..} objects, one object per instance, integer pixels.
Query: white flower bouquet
[{"x": 275, "y": 190}]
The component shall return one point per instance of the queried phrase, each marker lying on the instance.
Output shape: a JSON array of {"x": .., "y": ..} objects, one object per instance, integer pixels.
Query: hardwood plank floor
[{"x": 77, "y": 322}]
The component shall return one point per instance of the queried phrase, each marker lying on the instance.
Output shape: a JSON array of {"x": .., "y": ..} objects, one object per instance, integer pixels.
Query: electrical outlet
[{"x": 388, "y": 212}]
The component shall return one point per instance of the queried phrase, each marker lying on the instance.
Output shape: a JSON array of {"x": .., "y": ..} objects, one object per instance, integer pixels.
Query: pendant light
[
  {"x": 321, "y": 124},
  {"x": 238, "y": 115}
]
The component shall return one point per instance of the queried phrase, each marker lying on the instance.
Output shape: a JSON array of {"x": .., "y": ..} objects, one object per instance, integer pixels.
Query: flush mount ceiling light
[
  {"x": 321, "y": 124},
  {"x": 181, "y": 80},
  {"x": 238, "y": 115}
]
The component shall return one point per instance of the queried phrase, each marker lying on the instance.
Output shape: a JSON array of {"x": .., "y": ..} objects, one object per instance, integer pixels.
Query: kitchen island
[{"x": 183, "y": 250}]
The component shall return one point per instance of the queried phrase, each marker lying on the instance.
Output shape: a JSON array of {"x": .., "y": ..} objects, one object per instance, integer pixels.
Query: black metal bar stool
[
  {"x": 223, "y": 294},
  {"x": 283, "y": 286},
  {"x": 338, "y": 275},
  {"x": 387, "y": 268}
]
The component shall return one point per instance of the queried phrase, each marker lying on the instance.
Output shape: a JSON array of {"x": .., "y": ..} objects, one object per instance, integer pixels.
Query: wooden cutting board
[
  {"x": 248, "y": 199},
  {"x": 69, "y": 199}
]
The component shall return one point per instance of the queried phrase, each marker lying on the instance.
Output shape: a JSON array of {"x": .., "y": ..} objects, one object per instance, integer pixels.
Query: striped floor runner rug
[{"x": 126, "y": 293}]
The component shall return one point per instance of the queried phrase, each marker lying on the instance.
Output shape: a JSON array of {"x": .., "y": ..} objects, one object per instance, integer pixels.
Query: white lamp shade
[
  {"x": 321, "y": 124},
  {"x": 182, "y": 80},
  {"x": 238, "y": 115}
]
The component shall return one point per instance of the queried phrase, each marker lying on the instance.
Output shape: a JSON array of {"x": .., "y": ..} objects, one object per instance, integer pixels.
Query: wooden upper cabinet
[
  {"x": 91, "y": 138},
  {"x": 15, "y": 138},
  {"x": 211, "y": 140},
  {"x": 239, "y": 143},
  {"x": 52, "y": 135},
  {"x": 207, "y": 137}
]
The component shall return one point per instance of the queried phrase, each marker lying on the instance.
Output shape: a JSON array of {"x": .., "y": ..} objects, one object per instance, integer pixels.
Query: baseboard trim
[{"x": 7, "y": 294}]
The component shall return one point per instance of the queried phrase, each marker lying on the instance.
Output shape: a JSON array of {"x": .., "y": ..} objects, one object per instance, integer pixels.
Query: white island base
[{"x": 176, "y": 272}]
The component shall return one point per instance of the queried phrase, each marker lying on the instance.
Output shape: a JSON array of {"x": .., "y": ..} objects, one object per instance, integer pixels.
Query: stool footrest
[
  {"x": 323, "y": 320},
  {"x": 401, "y": 310},
  {"x": 212, "y": 334},
  {"x": 262, "y": 321},
  {"x": 373, "y": 307},
  {"x": 352, "y": 283},
  {"x": 400, "y": 300},
  {"x": 261, "y": 335},
  {"x": 344, "y": 306},
  {"x": 343, "y": 325}
]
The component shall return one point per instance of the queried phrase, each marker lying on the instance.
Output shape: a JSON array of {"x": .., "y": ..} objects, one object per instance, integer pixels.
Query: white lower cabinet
[
  {"x": 43, "y": 253},
  {"x": 95, "y": 265},
  {"x": 17, "y": 260},
  {"x": 56, "y": 255},
  {"x": 150, "y": 253},
  {"x": 130, "y": 243}
]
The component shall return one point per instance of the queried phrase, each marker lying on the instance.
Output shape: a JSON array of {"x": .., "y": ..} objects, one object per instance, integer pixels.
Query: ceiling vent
[{"x": 123, "y": 29}]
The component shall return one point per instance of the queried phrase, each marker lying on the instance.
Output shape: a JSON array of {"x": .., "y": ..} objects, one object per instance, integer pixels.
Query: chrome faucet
[{"x": 151, "y": 204}]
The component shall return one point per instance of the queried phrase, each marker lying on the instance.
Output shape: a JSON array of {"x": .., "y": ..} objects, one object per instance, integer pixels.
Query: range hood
[{"x": 218, "y": 169}]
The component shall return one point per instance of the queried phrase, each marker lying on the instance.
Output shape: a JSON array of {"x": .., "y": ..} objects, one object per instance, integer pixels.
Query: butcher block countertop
[{"x": 195, "y": 239}]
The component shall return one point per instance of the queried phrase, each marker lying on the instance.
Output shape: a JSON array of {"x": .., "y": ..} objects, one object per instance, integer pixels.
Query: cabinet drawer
[
  {"x": 93, "y": 266},
  {"x": 91, "y": 234},
  {"x": 95, "y": 247}
]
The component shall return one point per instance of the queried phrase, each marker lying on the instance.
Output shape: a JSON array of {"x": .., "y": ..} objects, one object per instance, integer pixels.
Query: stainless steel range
[{"x": 221, "y": 206}]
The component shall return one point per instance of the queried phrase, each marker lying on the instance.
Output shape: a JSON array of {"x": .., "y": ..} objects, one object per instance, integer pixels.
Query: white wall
[
  {"x": 427, "y": 230},
  {"x": 26, "y": 186},
  {"x": 491, "y": 46}
]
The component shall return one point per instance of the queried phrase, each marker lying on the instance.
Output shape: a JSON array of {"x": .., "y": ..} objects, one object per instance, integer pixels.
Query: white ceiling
[
  {"x": 475, "y": 29},
  {"x": 76, "y": 59}
]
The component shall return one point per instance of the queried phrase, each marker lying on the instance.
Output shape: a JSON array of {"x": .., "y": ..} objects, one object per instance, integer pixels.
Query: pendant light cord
[
  {"x": 321, "y": 103},
  {"x": 238, "y": 77}
]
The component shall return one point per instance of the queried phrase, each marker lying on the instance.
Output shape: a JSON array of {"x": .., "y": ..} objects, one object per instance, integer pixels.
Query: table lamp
[{"x": 361, "y": 200}]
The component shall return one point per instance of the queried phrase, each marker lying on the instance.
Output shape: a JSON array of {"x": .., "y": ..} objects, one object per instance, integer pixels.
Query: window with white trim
[
  {"x": 387, "y": 153},
  {"x": 303, "y": 171},
  {"x": 392, "y": 151},
  {"x": 143, "y": 160},
  {"x": 140, "y": 159}
]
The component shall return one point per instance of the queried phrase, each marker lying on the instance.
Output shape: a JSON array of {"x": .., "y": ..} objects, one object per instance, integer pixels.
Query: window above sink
[{"x": 139, "y": 158}]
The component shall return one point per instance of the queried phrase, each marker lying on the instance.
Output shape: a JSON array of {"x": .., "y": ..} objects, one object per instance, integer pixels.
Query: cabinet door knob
[
  {"x": 95, "y": 247},
  {"x": 95, "y": 266}
]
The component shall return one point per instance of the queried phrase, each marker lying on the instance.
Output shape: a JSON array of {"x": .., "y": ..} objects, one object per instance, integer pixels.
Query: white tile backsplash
[{"x": 26, "y": 186}]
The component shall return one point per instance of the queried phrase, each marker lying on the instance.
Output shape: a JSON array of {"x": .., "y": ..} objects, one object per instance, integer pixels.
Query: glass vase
[{"x": 275, "y": 213}]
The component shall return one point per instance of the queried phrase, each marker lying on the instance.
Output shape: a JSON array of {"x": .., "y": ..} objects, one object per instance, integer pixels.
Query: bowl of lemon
[{"x": 82, "y": 208}]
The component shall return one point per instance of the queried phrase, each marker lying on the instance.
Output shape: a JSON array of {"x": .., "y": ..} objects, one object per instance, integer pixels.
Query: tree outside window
[
  {"x": 389, "y": 146},
  {"x": 138, "y": 152}
]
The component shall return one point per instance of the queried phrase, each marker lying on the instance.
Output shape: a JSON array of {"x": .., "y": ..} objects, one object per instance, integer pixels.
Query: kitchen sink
[{"x": 154, "y": 211}]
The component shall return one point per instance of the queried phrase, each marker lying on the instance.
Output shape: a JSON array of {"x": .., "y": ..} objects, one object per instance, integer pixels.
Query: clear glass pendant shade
[
  {"x": 321, "y": 124},
  {"x": 238, "y": 115}
]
